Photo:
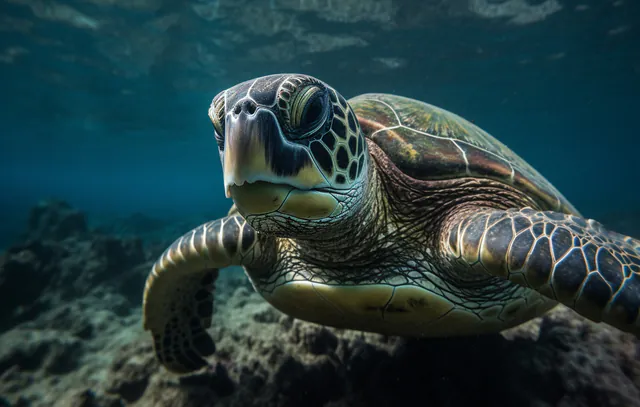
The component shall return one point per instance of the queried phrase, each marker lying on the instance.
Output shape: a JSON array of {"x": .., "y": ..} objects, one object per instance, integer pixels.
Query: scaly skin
[
  {"x": 569, "y": 259},
  {"x": 391, "y": 245},
  {"x": 409, "y": 221},
  {"x": 178, "y": 295}
]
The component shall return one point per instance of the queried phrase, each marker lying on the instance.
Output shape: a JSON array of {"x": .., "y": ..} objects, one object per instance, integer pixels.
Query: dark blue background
[{"x": 562, "y": 93}]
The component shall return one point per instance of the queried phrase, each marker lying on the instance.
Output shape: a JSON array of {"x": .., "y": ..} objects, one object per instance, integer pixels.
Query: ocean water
[{"x": 104, "y": 106}]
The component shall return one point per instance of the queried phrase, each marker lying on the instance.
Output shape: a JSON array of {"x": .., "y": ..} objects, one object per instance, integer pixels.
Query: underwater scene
[{"x": 319, "y": 203}]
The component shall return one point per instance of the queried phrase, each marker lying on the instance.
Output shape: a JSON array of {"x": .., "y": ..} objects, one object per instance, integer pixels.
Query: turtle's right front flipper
[
  {"x": 178, "y": 295},
  {"x": 569, "y": 259}
]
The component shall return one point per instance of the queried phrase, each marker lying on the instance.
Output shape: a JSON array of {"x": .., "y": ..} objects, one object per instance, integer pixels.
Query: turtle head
[{"x": 292, "y": 153}]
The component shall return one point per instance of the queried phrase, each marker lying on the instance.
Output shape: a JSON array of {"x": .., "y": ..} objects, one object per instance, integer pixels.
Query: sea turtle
[{"x": 382, "y": 214}]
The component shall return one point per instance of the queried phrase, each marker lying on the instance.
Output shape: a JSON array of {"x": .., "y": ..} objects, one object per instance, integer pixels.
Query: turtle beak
[
  {"x": 256, "y": 150},
  {"x": 245, "y": 149}
]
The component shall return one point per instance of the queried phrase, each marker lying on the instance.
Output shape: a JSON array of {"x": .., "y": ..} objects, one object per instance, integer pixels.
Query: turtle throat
[{"x": 353, "y": 234}]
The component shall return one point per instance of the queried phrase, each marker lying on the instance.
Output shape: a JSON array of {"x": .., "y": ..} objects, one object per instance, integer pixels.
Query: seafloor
[{"x": 70, "y": 297}]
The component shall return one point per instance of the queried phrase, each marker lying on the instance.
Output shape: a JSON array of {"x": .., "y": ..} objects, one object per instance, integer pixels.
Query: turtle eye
[
  {"x": 308, "y": 110},
  {"x": 216, "y": 114}
]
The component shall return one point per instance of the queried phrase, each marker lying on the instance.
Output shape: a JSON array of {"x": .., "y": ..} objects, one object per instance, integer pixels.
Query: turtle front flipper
[
  {"x": 178, "y": 295},
  {"x": 572, "y": 260}
]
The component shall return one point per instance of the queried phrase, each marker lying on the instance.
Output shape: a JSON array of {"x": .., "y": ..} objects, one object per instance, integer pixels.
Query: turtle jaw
[
  {"x": 267, "y": 174},
  {"x": 262, "y": 200}
]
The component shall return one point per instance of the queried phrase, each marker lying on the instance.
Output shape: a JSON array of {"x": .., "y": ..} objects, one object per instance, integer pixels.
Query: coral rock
[{"x": 56, "y": 220}]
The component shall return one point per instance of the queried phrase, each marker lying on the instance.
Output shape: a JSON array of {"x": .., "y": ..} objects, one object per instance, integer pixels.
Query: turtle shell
[{"x": 427, "y": 143}]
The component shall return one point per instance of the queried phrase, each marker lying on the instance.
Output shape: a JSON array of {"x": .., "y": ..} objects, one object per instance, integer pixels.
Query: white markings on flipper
[
  {"x": 205, "y": 248},
  {"x": 192, "y": 242},
  {"x": 178, "y": 249},
  {"x": 219, "y": 234}
]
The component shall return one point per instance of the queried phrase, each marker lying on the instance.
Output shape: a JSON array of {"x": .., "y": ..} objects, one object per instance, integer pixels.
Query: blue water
[
  {"x": 104, "y": 103},
  {"x": 109, "y": 111}
]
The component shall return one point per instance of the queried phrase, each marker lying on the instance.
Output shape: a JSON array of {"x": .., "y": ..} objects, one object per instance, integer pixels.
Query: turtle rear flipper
[
  {"x": 178, "y": 295},
  {"x": 572, "y": 260}
]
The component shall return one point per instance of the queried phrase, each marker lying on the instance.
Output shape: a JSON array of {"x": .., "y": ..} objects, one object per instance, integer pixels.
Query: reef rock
[
  {"x": 59, "y": 260},
  {"x": 56, "y": 220},
  {"x": 89, "y": 349}
]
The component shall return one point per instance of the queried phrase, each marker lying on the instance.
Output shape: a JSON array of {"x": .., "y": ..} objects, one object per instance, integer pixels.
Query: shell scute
[{"x": 427, "y": 142}]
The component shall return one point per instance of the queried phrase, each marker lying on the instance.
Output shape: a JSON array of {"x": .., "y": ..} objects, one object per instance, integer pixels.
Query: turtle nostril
[
  {"x": 249, "y": 106},
  {"x": 236, "y": 110}
]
